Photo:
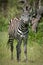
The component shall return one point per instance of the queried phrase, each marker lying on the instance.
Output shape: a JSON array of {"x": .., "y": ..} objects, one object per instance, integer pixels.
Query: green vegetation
[
  {"x": 34, "y": 50},
  {"x": 35, "y": 40}
]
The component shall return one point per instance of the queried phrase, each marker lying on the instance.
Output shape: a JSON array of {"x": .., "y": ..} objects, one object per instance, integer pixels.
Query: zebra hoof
[{"x": 18, "y": 59}]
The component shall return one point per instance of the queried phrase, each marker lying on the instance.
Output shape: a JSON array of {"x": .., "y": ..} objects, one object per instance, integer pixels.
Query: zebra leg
[
  {"x": 11, "y": 50},
  {"x": 10, "y": 41},
  {"x": 25, "y": 48},
  {"x": 18, "y": 49}
]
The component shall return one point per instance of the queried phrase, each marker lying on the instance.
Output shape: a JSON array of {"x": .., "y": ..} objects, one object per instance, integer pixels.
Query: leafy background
[{"x": 35, "y": 40}]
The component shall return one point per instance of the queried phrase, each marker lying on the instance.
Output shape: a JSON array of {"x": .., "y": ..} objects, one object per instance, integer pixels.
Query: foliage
[
  {"x": 14, "y": 10},
  {"x": 35, "y": 40}
]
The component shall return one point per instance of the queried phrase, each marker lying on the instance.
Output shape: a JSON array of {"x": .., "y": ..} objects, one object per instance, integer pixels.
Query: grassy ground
[
  {"x": 35, "y": 52},
  {"x": 35, "y": 41}
]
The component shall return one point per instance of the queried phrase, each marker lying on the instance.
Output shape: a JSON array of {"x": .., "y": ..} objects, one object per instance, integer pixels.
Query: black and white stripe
[
  {"x": 18, "y": 29},
  {"x": 22, "y": 29}
]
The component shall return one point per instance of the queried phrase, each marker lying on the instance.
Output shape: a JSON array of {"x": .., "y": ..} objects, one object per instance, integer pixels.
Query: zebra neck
[
  {"x": 22, "y": 33},
  {"x": 23, "y": 27}
]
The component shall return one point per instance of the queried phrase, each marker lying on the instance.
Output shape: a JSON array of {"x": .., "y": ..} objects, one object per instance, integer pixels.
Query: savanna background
[{"x": 10, "y": 9}]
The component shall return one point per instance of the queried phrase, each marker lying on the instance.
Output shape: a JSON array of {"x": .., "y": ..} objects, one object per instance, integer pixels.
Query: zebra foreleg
[
  {"x": 25, "y": 49},
  {"x": 18, "y": 49}
]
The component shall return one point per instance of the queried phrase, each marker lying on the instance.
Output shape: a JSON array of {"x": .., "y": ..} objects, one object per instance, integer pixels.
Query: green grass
[
  {"x": 34, "y": 47},
  {"x": 35, "y": 40},
  {"x": 35, "y": 52}
]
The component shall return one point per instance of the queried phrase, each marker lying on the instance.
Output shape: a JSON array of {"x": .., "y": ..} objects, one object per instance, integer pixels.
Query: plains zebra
[{"x": 18, "y": 29}]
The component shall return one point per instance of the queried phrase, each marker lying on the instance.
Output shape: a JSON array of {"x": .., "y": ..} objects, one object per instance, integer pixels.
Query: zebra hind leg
[
  {"x": 10, "y": 42},
  {"x": 11, "y": 50}
]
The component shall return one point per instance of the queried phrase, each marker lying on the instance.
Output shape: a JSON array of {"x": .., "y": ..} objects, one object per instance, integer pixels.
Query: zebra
[{"x": 18, "y": 29}]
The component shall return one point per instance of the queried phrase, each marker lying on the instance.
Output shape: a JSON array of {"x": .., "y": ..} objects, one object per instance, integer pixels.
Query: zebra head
[{"x": 25, "y": 16}]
